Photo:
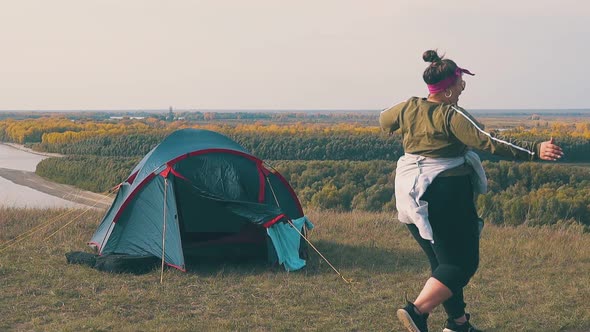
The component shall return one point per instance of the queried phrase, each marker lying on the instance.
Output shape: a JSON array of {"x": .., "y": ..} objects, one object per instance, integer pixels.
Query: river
[{"x": 14, "y": 195}]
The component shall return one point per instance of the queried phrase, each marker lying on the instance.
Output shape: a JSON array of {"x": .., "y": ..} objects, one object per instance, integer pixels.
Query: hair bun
[{"x": 431, "y": 56}]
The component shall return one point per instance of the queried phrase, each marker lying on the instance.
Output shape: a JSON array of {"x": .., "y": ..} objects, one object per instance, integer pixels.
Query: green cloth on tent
[{"x": 286, "y": 241}]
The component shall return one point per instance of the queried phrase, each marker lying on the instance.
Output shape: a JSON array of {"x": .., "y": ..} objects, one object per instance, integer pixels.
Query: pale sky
[{"x": 276, "y": 54}]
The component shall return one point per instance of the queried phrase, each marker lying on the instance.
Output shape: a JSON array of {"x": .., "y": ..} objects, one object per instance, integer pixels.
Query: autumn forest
[{"x": 333, "y": 161}]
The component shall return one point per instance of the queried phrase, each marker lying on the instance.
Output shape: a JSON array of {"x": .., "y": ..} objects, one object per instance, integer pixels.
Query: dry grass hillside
[{"x": 530, "y": 279}]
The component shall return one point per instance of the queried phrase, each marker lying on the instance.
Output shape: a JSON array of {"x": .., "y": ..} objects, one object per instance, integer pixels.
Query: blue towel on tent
[{"x": 286, "y": 241}]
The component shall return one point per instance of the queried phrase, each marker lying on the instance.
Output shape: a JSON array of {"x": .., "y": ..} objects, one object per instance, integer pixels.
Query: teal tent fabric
[
  {"x": 141, "y": 231},
  {"x": 207, "y": 190},
  {"x": 287, "y": 240}
]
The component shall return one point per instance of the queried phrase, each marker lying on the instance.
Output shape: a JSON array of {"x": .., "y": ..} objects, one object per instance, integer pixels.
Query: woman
[{"x": 435, "y": 184}]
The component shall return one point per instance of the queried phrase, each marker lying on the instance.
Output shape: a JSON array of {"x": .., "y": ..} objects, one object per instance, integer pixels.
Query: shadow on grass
[
  {"x": 341, "y": 256},
  {"x": 234, "y": 265},
  {"x": 368, "y": 258}
]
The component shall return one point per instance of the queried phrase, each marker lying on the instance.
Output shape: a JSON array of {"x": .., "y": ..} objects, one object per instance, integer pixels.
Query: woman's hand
[{"x": 550, "y": 151}]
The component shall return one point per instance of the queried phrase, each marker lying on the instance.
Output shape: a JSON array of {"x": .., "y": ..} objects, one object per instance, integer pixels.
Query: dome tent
[{"x": 200, "y": 193}]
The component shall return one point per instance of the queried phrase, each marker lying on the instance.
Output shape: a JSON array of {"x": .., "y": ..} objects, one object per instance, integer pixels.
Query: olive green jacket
[{"x": 444, "y": 130}]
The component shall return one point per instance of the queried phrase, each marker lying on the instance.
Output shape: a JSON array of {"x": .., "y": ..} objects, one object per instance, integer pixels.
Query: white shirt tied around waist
[{"x": 415, "y": 173}]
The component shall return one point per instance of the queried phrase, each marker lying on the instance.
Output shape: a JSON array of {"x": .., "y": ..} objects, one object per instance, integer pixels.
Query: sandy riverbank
[
  {"x": 29, "y": 150},
  {"x": 21, "y": 187},
  {"x": 30, "y": 180}
]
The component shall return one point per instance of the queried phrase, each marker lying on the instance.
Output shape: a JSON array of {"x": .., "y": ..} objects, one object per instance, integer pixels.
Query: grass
[{"x": 530, "y": 279}]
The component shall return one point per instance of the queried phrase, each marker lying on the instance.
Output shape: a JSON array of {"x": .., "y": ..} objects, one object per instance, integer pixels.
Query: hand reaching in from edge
[{"x": 550, "y": 151}]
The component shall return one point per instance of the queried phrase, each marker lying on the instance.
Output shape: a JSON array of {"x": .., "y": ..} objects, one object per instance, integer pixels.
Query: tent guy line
[
  {"x": 305, "y": 237},
  {"x": 37, "y": 229}
]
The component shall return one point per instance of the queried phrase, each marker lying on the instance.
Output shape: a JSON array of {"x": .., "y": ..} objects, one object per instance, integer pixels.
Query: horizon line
[{"x": 267, "y": 110}]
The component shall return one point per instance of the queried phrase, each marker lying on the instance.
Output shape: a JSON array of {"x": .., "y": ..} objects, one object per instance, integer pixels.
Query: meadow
[{"x": 530, "y": 279}]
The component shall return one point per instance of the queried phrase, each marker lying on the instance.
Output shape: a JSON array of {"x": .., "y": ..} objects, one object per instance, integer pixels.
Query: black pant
[{"x": 454, "y": 255}]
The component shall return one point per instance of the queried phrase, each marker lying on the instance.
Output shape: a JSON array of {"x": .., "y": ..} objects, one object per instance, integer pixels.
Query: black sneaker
[
  {"x": 454, "y": 327},
  {"x": 412, "y": 321}
]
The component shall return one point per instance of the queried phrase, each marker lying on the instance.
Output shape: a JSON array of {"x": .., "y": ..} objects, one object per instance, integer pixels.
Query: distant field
[
  {"x": 530, "y": 279},
  {"x": 527, "y": 121},
  {"x": 495, "y": 118}
]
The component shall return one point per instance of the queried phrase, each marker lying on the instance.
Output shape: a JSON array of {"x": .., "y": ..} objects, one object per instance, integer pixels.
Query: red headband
[{"x": 447, "y": 82}]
